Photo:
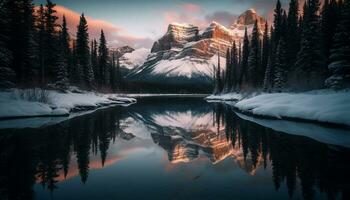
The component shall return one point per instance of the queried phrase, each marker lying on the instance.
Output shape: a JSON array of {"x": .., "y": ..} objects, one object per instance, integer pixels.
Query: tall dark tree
[
  {"x": 113, "y": 73},
  {"x": 94, "y": 59},
  {"x": 292, "y": 35},
  {"x": 310, "y": 62},
  {"x": 82, "y": 53},
  {"x": 61, "y": 69},
  {"x": 6, "y": 73},
  {"x": 244, "y": 65},
  {"x": 66, "y": 51},
  {"x": 281, "y": 66},
  {"x": 41, "y": 35},
  {"x": 254, "y": 69},
  {"x": 228, "y": 78},
  {"x": 21, "y": 40},
  {"x": 339, "y": 54},
  {"x": 51, "y": 46},
  {"x": 265, "y": 48},
  {"x": 329, "y": 20},
  {"x": 277, "y": 22},
  {"x": 103, "y": 60},
  {"x": 218, "y": 81},
  {"x": 234, "y": 67}
]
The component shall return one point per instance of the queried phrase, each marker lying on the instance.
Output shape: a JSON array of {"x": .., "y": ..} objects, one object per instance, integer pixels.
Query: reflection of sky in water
[{"x": 193, "y": 151}]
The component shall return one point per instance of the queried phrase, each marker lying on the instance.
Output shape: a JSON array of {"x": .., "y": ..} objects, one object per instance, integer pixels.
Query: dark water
[{"x": 169, "y": 150}]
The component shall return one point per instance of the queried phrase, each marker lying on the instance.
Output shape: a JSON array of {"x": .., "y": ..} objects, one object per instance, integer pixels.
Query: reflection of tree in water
[
  {"x": 293, "y": 159},
  {"x": 39, "y": 155}
]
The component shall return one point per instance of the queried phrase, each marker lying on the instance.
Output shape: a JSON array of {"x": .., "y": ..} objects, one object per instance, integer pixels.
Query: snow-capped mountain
[{"x": 187, "y": 55}]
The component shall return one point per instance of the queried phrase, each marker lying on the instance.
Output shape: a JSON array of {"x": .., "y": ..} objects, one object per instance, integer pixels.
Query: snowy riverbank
[
  {"x": 17, "y": 103},
  {"x": 322, "y": 106}
]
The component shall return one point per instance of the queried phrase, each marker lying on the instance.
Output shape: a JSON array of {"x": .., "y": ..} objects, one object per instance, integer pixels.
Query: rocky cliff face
[{"x": 187, "y": 54}]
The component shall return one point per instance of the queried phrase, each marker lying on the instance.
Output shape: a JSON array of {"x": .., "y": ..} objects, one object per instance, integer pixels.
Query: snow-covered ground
[
  {"x": 225, "y": 97},
  {"x": 25, "y": 103},
  {"x": 334, "y": 136},
  {"x": 320, "y": 105}
]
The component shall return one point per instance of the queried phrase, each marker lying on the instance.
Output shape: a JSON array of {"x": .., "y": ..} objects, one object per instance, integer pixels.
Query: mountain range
[{"x": 185, "y": 55}]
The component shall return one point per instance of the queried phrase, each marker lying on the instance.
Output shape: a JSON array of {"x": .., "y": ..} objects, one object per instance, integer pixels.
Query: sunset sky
[{"x": 140, "y": 22}]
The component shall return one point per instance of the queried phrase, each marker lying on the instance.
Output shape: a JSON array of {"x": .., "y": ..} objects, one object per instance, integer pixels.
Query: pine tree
[
  {"x": 277, "y": 22},
  {"x": 245, "y": 54},
  {"x": 218, "y": 82},
  {"x": 6, "y": 73},
  {"x": 94, "y": 59},
  {"x": 64, "y": 40},
  {"x": 281, "y": 66},
  {"x": 228, "y": 78},
  {"x": 51, "y": 47},
  {"x": 310, "y": 61},
  {"x": 82, "y": 53},
  {"x": 292, "y": 32},
  {"x": 119, "y": 81},
  {"x": 113, "y": 73},
  {"x": 265, "y": 48},
  {"x": 234, "y": 67},
  {"x": 61, "y": 69},
  {"x": 339, "y": 54},
  {"x": 103, "y": 60},
  {"x": 254, "y": 58},
  {"x": 328, "y": 25},
  {"x": 21, "y": 40},
  {"x": 41, "y": 34},
  {"x": 269, "y": 72}
]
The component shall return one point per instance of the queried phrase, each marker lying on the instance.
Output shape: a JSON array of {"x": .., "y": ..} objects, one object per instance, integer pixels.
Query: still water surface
[{"x": 170, "y": 150}]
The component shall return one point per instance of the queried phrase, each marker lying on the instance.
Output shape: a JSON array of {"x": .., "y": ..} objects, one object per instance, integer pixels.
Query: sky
[{"x": 139, "y": 23}]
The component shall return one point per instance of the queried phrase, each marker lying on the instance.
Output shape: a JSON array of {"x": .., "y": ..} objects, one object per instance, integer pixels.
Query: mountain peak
[{"x": 249, "y": 17}]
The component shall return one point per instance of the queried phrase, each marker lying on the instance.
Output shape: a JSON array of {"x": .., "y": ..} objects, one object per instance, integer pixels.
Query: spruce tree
[
  {"x": 51, "y": 47},
  {"x": 6, "y": 73},
  {"x": 281, "y": 66},
  {"x": 234, "y": 67},
  {"x": 61, "y": 80},
  {"x": 292, "y": 32},
  {"x": 277, "y": 22},
  {"x": 218, "y": 82},
  {"x": 339, "y": 54},
  {"x": 228, "y": 78},
  {"x": 41, "y": 35},
  {"x": 103, "y": 60},
  {"x": 328, "y": 25},
  {"x": 245, "y": 54},
  {"x": 310, "y": 62},
  {"x": 82, "y": 53},
  {"x": 254, "y": 58},
  {"x": 265, "y": 48},
  {"x": 269, "y": 72},
  {"x": 113, "y": 73},
  {"x": 94, "y": 59},
  {"x": 21, "y": 40},
  {"x": 64, "y": 40}
]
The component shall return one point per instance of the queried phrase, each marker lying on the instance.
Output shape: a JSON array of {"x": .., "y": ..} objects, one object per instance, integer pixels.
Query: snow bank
[
  {"x": 225, "y": 97},
  {"x": 322, "y": 105},
  {"x": 13, "y": 104},
  {"x": 334, "y": 136}
]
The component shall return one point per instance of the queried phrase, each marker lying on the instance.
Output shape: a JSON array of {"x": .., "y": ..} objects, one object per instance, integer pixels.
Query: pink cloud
[
  {"x": 115, "y": 35},
  {"x": 190, "y": 7}
]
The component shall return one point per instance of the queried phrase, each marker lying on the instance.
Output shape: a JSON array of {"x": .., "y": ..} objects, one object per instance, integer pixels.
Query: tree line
[
  {"x": 302, "y": 50},
  {"x": 37, "y": 51}
]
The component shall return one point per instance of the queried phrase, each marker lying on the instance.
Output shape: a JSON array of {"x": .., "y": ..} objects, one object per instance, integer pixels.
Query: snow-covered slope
[
  {"x": 323, "y": 106},
  {"x": 187, "y": 54},
  {"x": 135, "y": 58}
]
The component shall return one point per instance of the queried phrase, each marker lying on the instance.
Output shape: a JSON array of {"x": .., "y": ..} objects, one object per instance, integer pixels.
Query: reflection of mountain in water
[{"x": 186, "y": 131}]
